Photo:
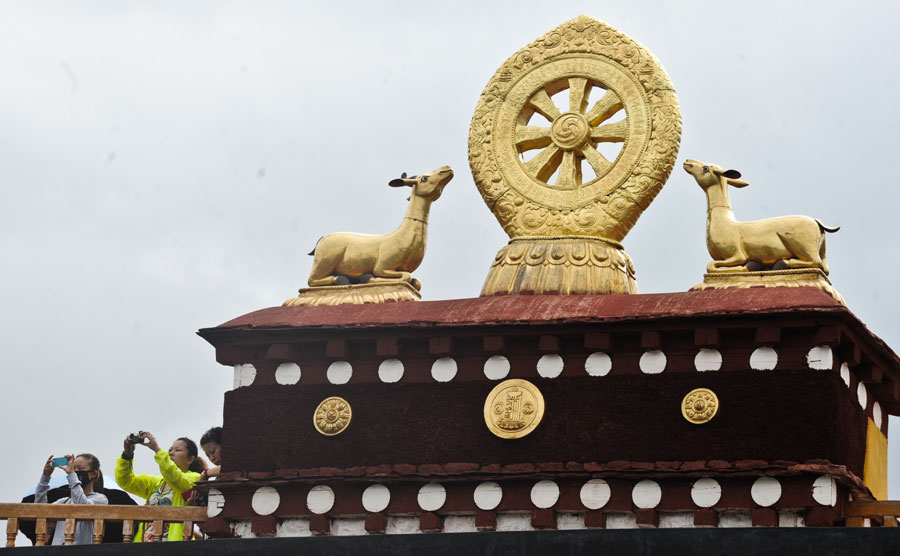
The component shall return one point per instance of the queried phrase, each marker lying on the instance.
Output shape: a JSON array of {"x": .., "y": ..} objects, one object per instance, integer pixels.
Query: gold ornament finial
[{"x": 572, "y": 138}]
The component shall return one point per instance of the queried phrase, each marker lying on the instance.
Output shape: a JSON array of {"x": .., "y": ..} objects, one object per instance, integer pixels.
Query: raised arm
[
  {"x": 179, "y": 480},
  {"x": 43, "y": 486}
]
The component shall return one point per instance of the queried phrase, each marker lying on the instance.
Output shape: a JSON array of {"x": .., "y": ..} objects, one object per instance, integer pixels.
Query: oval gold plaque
[
  {"x": 332, "y": 416},
  {"x": 700, "y": 406},
  {"x": 513, "y": 409}
]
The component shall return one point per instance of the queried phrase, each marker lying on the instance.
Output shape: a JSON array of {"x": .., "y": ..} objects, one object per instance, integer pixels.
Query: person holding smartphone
[
  {"x": 83, "y": 474},
  {"x": 179, "y": 469}
]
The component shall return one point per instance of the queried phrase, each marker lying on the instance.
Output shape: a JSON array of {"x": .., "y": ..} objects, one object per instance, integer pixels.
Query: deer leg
[
  {"x": 385, "y": 275},
  {"x": 736, "y": 262}
]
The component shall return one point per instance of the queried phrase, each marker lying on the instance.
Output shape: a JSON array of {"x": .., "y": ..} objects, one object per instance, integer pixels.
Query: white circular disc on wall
[
  {"x": 595, "y": 494},
  {"x": 706, "y": 492},
  {"x": 877, "y": 414},
  {"x": 216, "y": 502},
  {"x": 598, "y": 364},
  {"x": 763, "y": 359},
  {"x": 320, "y": 499},
  {"x": 432, "y": 496},
  {"x": 488, "y": 495},
  {"x": 544, "y": 494},
  {"x": 287, "y": 374},
  {"x": 766, "y": 491},
  {"x": 390, "y": 370},
  {"x": 824, "y": 490},
  {"x": 708, "y": 360},
  {"x": 646, "y": 494},
  {"x": 265, "y": 501},
  {"x": 550, "y": 365},
  {"x": 339, "y": 372},
  {"x": 496, "y": 367},
  {"x": 845, "y": 373},
  {"x": 653, "y": 362},
  {"x": 820, "y": 358},
  {"x": 444, "y": 369},
  {"x": 862, "y": 396},
  {"x": 376, "y": 498}
]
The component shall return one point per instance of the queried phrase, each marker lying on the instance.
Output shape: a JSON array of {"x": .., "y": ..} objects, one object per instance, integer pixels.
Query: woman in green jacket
[{"x": 179, "y": 468}]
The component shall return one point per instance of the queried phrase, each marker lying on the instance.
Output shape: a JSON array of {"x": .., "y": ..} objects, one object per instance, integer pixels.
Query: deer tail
[{"x": 313, "y": 252}]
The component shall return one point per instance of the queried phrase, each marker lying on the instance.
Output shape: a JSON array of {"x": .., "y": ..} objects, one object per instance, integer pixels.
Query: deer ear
[
  {"x": 400, "y": 182},
  {"x": 737, "y": 183},
  {"x": 733, "y": 174}
]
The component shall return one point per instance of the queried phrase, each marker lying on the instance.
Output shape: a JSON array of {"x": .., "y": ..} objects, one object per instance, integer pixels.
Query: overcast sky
[{"x": 166, "y": 166}]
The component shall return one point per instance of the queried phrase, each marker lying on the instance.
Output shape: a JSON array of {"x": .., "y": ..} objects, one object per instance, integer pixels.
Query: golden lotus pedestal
[
  {"x": 790, "y": 278},
  {"x": 560, "y": 265},
  {"x": 354, "y": 294}
]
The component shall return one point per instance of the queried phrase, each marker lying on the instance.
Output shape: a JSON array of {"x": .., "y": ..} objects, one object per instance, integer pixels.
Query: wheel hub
[{"x": 569, "y": 131}]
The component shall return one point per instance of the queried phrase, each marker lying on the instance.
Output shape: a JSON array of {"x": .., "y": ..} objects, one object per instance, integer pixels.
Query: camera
[{"x": 135, "y": 438}]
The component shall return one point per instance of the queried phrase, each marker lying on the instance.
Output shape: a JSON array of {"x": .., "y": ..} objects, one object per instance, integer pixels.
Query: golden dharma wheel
[
  {"x": 539, "y": 143},
  {"x": 573, "y": 137}
]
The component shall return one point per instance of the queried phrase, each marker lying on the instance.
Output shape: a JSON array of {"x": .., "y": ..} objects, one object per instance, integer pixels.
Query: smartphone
[{"x": 59, "y": 462}]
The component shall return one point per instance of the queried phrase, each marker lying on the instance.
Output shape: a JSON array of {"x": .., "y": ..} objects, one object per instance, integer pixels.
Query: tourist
[
  {"x": 83, "y": 474},
  {"x": 180, "y": 468},
  {"x": 211, "y": 442}
]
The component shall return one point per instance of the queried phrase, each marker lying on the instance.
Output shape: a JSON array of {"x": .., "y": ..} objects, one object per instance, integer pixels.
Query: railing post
[
  {"x": 12, "y": 529},
  {"x": 187, "y": 530},
  {"x": 890, "y": 521},
  {"x": 40, "y": 532},
  {"x": 127, "y": 530},
  {"x": 98, "y": 531},
  {"x": 70, "y": 530},
  {"x": 158, "y": 530}
]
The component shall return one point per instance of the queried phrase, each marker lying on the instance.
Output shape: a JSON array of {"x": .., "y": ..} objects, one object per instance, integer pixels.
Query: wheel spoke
[
  {"x": 604, "y": 108},
  {"x": 612, "y": 133},
  {"x": 542, "y": 102},
  {"x": 544, "y": 164},
  {"x": 578, "y": 87},
  {"x": 569, "y": 171},
  {"x": 597, "y": 161},
  {"x": 532, "y": 137}
]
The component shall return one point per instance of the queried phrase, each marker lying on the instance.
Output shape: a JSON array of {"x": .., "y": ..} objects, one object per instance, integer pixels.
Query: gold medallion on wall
[
  {"x": 332, "y": 416},
  {"x": 571, "y": 140},
  {"x": 700, "y": 406},
  {"x": 513, "y": 409}
]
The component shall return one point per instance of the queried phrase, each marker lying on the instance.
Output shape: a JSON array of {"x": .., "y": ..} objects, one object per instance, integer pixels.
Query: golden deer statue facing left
[{"x": 343, "y": 258}]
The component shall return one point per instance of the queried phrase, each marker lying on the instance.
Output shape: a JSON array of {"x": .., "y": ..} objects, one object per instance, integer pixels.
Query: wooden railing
[
  {"x": 99, "y": 515},
  {"x": 885, "y": 512}
]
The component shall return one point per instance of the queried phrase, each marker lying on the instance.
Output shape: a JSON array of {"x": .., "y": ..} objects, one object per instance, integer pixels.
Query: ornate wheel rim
[{"x": 566, "y": 138}]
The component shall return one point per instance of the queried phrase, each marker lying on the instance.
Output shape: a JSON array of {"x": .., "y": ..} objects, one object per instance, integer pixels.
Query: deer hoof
[
  {"x": 341, "y": 280},
  {"x": 364, "y": 279},
  {"x": 780, "y": 265},
  {"x": 416, "y": 283}
]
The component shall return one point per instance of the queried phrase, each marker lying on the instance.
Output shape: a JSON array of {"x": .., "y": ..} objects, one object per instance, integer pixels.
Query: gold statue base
[
  {"x": 355, "y": 294},
  {"x": 790, "y": 278},
  {"x": 570, "y": 265}
]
